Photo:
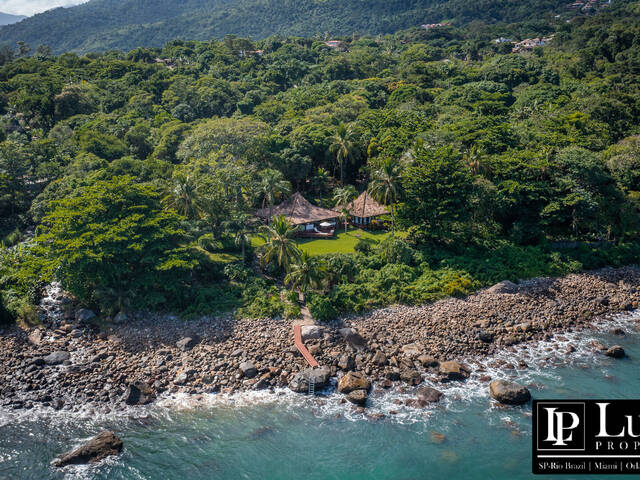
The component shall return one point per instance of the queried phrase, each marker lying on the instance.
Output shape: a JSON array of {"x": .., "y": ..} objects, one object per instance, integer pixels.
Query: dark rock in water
[
  {"x": 618, "y": 331},
  {"x": 486, "y": 337},
  {"x": 56, "y": 358},
  {"x": 98, "y": 448},
  {"x": 84, "y": 315},
  {"x": 139, "y": 393},
  {"x": 262, "y": 432},
  {"x": 38, "y": 361},
  {"x": 353, "y": 381},
  {"x": 248, "y": 369},
  {"x": 319, "y": 376},
  {"x": 453, "y": 370},
  {"x": 358, "y": 397},
  {"x": 615, "y": 352},
  {"x": 386, "y": 383},
  {"x": 187, "y": 343},
  {"x": 429, "y": 394},
  {"x": 57, "y": 404},
  {"x": 509, "y": 393}
]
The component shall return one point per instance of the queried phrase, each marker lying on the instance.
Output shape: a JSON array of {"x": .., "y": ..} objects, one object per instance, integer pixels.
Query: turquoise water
[{"x": 282, "y": 436}]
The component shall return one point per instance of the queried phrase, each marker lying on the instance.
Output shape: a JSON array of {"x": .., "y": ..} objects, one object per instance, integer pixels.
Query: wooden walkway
[{"x": 297, "y": 339}]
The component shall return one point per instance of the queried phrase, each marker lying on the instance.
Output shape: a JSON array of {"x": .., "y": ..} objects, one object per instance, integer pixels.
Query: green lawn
[{"x": 340, "y": 243}]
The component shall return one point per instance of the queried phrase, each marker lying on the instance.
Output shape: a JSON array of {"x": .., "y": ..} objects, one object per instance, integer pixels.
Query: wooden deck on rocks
[{"x": 297, "y": 339}]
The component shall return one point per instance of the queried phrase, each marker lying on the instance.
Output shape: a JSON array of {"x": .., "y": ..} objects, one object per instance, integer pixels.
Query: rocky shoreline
[{"x": 78, "y": 360}]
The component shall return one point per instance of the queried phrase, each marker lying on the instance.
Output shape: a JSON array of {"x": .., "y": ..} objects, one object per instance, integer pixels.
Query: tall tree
[
  {"x": 385, "y": 186},
  {"x": 343, "y": 144},
  {"x": 304, "y": 273},
  {"x": 272, "y": 186},
  {"x": 280, "y": 247}
]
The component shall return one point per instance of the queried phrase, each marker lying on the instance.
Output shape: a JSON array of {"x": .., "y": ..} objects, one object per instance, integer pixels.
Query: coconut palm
[
  {"x": 272, "y": 186},
  {"x": 183, "y": 197},
  {"x": 280, "y": 247},
  {"x": 305, "y": 273},
  {"x": 343, "y": 195},
  {"x": 242, "y": 226},
  {"x": 385, "y": 186},
  {"x": 343, "y": 143}
]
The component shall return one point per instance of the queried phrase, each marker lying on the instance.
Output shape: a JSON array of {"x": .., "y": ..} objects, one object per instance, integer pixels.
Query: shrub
[{"x": 321, "y": 308}]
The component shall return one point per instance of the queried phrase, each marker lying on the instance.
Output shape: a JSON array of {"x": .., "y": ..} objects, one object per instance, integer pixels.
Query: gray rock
[
  {"x": 503, "y": 287},
  {"x": 300, "y": 382},
  {"x": 379, "y": 359},
  {"x": 248, "y": 369},
  {"x": 311, "y": 332},
  {"x": 615, "y": 352},
  {"x": 84, "y": 315},
  {"x": 486, "y": 337},
  {"x": 120, "y": 318},
  {"x": 187, "y": 343},
  {"x": 345, "y": 332},
  {"x": 412, "y": 349},
  {"x": 98, "y": 448},
  {"x": 56, "y": 358},
  {"x": 358, "y": 397},
  {"x": 181, "y": 378},
  {"x": 346, "y": 362},
  {"x": 35, "y": 337},
  {"x": 509, "y": 393},
  {"x": 429, "y": 394},
  {"x": 428, "y": 361},
  {"x": 412, "y": 377}
]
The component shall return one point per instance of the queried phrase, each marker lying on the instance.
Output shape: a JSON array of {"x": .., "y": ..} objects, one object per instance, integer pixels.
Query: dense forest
[
  {"x": 132, "y": 178},
  {"x": 100, "y": 25}
]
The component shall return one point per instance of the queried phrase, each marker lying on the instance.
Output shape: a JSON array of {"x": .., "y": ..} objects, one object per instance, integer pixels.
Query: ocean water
[{"x": 285, "y": 436}]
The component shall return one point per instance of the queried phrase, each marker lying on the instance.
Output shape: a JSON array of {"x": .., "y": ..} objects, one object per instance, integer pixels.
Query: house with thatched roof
[
  {"x": 312, "y": 220},
  {"x": 364, "y": 209}
]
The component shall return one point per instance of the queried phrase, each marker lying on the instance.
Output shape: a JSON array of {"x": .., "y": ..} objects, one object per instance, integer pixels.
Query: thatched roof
[
  {"x": 297, "y": 210},
  {"x": 365, "y": 206}
]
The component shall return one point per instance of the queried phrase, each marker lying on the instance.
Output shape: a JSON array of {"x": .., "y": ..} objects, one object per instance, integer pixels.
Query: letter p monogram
[{"x": 557, "y": 425}]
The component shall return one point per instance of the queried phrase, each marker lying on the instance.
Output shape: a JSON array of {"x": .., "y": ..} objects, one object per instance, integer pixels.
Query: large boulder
[
  {"x": 429, "y": 394},
  {"x": 84, "y": 315},
  {"x": 319, "y": 376},
  {"x": 615, "y": 352},
  {"x": 248, "y": 369},
  {"x": 98, "y": 448},
  {"x": 187, "y": 343},
  {"x": 358, "y": 397},
  {"x": 453, "y": 370},
  {"x": 139, "y": 393},
  {"x": 509, "y": 393},
  {"x": 56, "y": 358},
  {"x": 353, "y": 381},
  {"x": 503, "y": 287},
  {"x": 346, "y": 362},
  {"x": 311, "y": 332},
  {"x": 411, "y": 376}
]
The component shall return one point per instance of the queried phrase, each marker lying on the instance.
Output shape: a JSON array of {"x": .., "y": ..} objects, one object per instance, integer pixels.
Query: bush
[
  {"x": 321, "y": 308},
  {"x": 5, "y": 316}
]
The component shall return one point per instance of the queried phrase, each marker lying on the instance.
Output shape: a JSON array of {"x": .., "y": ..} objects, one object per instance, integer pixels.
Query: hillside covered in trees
[
  {"x": 132, "y": 178},
  {"x": 100, "y": 25}
]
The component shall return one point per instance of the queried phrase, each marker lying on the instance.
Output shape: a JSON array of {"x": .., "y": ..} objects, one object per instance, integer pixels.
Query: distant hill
[
  {"x": 126, "y": 24},
  {"x": 8, "y": 19}
]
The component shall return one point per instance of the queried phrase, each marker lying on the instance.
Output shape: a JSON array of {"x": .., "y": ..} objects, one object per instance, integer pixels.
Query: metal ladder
[{"x": 312, "y": 386}]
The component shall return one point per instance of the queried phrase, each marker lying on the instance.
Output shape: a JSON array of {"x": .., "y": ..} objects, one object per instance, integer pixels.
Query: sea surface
[{"x": 285, "y": 436}]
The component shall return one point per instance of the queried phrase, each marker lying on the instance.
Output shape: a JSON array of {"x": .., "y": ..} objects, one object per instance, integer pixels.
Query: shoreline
[{"x": 397, "y": 346}]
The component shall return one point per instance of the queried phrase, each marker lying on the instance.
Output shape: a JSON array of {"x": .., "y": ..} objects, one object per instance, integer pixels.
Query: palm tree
[
  {"x": 272, "y": 186},
  {"x": 280, "y": 247},
  {"x": 343, "y": 143},
  {"x": 305, "y": 273},
  {"x": 183, "y": 197},
  {"x": 242, "y": 226},
  {"x": 342, "y": 196},
  {"x": 385, "y": 186}
]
